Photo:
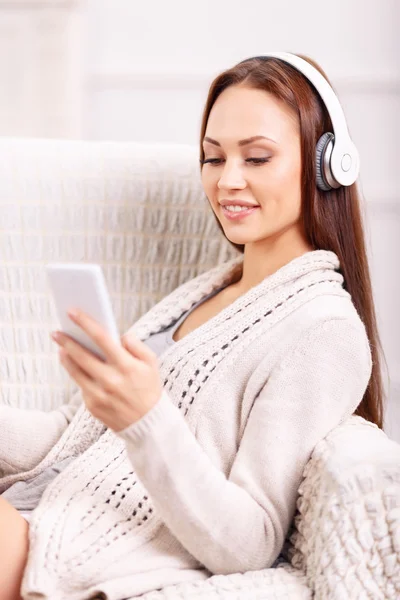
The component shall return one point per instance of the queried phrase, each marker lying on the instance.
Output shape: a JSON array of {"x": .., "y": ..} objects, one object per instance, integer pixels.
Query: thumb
[
  {"x": 137, "y": 348},
  {"x": 125, "y": 340},
  {"x": 129, "y": 341}
]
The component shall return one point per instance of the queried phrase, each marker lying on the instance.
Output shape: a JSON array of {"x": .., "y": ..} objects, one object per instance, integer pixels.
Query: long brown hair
[{"x": 332, "y": 220}]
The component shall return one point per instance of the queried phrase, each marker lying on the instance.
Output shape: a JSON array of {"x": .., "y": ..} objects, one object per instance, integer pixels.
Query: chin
[{"x": 240, "y": 239}]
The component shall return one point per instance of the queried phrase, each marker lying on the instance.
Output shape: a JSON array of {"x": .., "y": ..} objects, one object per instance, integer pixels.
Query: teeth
[{"x": 237, "y": 208}]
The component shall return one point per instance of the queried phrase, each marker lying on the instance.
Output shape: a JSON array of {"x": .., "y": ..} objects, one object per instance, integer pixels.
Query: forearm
[
  {"x": 215, "y": 519},
  {"x": 238, "y": 521},
  {"x": 26, "y": 435}
]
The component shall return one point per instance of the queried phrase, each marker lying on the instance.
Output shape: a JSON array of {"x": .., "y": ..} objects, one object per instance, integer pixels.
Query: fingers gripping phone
[{"x": 82, "y": 286}]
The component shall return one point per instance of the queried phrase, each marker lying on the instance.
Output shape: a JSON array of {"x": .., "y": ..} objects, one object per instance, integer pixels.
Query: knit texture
[
  {"x": 281, "y": 583},
  {"x": 205, "y": 483},
  {"x": 138, "y": 210},
  {"x": 346, "y": 533}
]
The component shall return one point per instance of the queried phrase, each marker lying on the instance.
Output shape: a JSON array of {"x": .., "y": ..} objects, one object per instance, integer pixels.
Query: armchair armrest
[
  {"x": 27, "y": 435},
  {"x": 346, "y": 531}
]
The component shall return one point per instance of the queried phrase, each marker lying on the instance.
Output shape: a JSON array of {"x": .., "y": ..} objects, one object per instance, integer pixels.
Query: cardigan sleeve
[
  {"x": 27, "y": 435},
  {"x": 238, "y": 522}
]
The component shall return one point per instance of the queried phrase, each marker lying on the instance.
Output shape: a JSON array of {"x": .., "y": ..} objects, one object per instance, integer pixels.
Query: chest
[{"x": 201, "y": 314}]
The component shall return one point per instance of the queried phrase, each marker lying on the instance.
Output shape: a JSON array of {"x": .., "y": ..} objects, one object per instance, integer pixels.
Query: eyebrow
[{"x": 242, "y": 142}]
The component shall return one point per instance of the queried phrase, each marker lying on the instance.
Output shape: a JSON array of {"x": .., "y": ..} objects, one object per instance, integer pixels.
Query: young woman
[{"x": 182, "y": 456}]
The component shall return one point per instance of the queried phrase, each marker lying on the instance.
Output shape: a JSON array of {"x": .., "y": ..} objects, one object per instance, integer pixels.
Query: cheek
[
  {"x": 208, "y": 177},
  {"x": 209, "y": 182},
  {"x": 280, "y": 193},
  {"x": 286, "y": 173},
  {"x": 287, "y": 176},
  {"x": 293, "y": 190}
]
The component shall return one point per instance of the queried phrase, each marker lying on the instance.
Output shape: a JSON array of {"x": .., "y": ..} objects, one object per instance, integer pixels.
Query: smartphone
[{"x": 82, "y": 286}]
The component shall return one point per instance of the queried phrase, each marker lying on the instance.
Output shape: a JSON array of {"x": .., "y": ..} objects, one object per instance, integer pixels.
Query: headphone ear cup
[{"x": 320, "y": 150}]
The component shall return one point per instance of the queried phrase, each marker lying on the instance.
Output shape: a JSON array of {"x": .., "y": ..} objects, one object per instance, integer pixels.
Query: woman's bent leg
[{"x": 14, "y": 544}]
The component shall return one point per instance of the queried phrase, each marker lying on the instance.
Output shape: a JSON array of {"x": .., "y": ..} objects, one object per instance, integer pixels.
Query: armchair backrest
[{"x": 138, "y": 210}]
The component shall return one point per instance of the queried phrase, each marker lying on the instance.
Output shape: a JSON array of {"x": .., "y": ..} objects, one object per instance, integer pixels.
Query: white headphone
[{"x": 337, "y": 158}]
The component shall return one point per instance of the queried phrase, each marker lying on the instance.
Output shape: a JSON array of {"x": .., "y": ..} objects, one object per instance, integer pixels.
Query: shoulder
[
  {"x": 325, "y": 330},
  {"x": 323, "y": 312},
  {"x": 324, "y": 366},
  {"x": 333, "y": 336},
  {"x": 314, "y": 314}
]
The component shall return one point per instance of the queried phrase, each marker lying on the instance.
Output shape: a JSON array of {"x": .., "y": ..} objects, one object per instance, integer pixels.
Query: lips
[
  {"x": 237, "y": 203},
  {"x": 241, "y": 214}
]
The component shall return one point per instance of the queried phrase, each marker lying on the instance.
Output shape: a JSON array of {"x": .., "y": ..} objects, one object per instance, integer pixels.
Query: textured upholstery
[
  {"x": 140, "y": 212},
  {"x": 346, "y": 533},
  {"x": 137, "y": 210}
]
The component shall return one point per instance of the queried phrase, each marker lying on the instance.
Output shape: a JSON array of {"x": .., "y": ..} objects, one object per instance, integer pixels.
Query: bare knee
[{"x": 14, "y": 544}]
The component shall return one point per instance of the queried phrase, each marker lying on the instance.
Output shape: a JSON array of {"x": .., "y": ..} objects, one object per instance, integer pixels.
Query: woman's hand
[{"x": 117, "y": 392}]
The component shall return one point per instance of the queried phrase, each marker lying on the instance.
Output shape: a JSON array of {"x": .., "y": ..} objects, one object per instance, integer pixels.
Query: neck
[{"x": 262, "y": 259}]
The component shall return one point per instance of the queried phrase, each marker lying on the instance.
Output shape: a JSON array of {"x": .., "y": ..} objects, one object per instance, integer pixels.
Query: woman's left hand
[{"x": 117, "y": 392}]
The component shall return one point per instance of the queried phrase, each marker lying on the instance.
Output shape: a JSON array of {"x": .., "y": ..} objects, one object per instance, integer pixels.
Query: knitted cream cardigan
[{"x": 206, "y": 482}]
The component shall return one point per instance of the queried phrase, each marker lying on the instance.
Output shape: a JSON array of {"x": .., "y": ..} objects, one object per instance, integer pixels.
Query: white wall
[
  {"x": 41, "y": 68},
  {"x": 124, "y": 69}
]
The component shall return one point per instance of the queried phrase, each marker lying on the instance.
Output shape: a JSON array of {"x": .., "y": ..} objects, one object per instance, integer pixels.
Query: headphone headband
[{"x": 344, "y": 160}]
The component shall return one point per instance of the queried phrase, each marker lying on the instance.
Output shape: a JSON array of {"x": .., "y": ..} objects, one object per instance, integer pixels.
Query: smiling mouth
[
  {"x": 239, "y": 204},
  {"x": 238, "y": 208},
  {"x": 238, "y": 213}
]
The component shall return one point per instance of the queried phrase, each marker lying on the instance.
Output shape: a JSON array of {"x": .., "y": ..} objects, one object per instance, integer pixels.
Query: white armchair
[{"x": 139, "y": 211}]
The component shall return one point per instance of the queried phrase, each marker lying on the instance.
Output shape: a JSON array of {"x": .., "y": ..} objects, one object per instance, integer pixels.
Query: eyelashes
[{"x": 218, "y": 161}]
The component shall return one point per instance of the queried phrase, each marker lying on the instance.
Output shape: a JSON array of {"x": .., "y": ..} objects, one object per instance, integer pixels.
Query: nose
[{"x": 231, "y": 177}]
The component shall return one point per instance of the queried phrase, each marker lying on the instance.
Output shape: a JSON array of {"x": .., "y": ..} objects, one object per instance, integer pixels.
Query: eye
[
  {"x": 217, "y": 161},
  {"x": 258, "y": 161},
  {"x": 211, "y": 161}
]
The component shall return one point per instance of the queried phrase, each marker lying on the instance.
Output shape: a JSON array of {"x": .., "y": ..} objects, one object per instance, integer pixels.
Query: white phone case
[{"x": 82, "y": 285}]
